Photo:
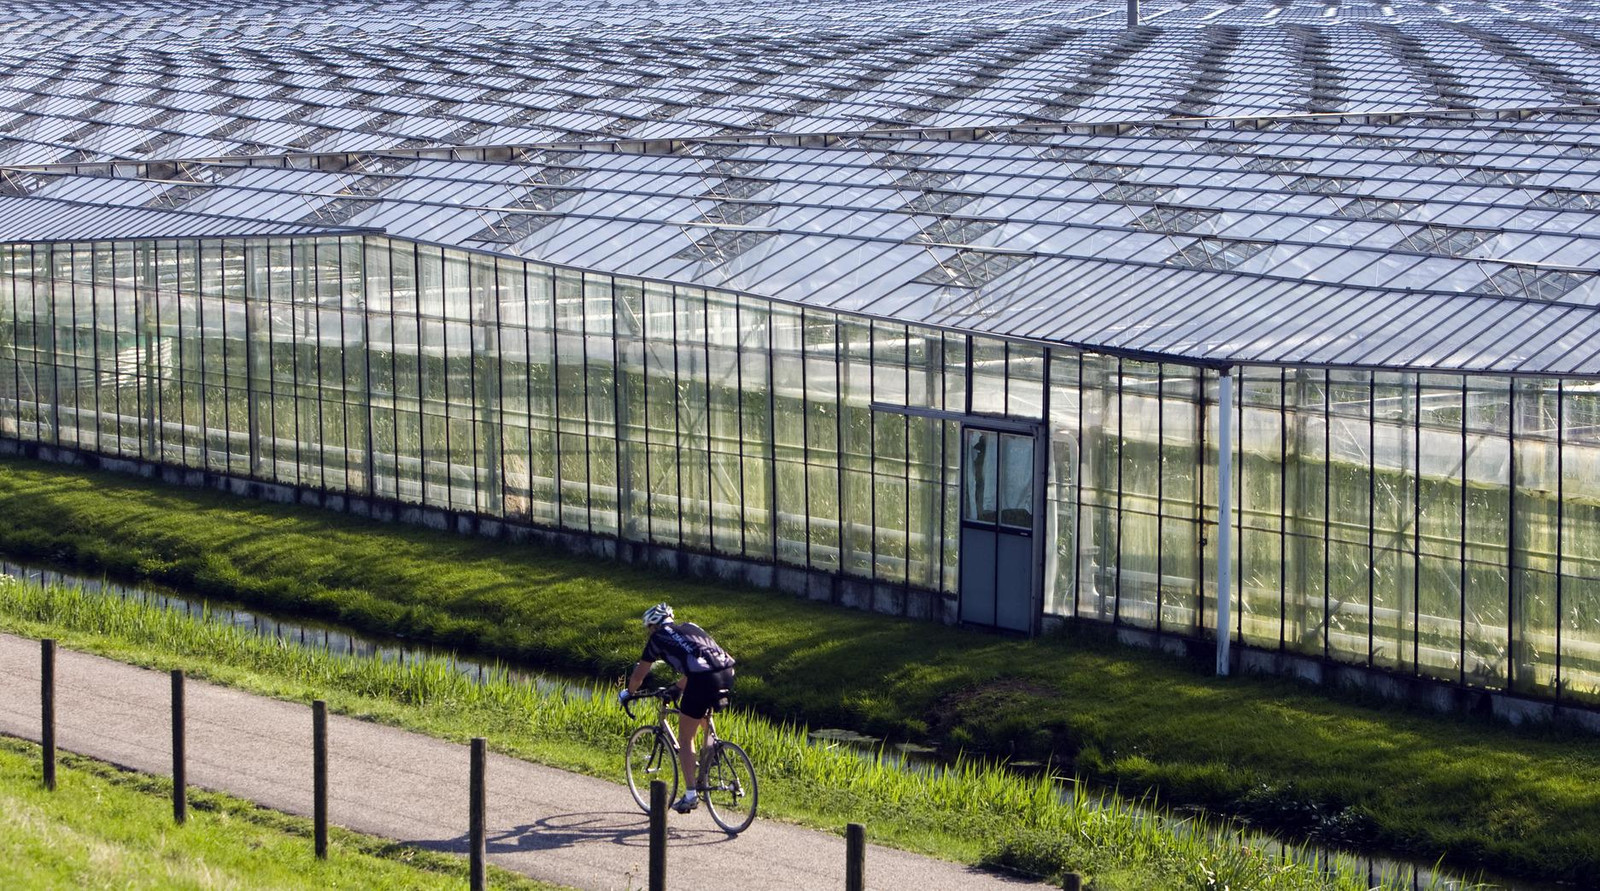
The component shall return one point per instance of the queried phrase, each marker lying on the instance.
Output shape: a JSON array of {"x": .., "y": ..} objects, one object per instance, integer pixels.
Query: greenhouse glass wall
[{"x": 1445, "y": 526}]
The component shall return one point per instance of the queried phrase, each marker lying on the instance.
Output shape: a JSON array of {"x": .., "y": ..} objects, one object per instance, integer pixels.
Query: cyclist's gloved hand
[{"x": 623, "y": 696}]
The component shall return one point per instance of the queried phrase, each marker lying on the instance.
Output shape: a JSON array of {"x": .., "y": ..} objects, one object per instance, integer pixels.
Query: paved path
[{"x": 547, "y": 823}]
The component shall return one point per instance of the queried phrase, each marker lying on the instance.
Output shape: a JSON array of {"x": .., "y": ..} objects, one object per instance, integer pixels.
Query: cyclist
[{"x": 706, "y": 678}]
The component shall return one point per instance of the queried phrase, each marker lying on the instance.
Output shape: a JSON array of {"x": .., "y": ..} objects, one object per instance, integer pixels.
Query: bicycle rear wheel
[
  {"x": 650, "y": 757},
  {"x": 730, "y": 788}
]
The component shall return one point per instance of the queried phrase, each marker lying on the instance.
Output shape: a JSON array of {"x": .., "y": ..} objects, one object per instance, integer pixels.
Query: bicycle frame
[{"x": 664, "y": 726}]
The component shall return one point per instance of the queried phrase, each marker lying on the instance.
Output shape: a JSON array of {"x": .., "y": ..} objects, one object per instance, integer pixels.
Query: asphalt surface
[{"x": 547, "y": 823}]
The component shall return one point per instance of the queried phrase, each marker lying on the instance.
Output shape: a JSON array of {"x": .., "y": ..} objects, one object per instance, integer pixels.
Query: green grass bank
[
  {"x": 1525, "y": 802},
  {"x": 971, "y": 812},
  {"x": 108, "y": 828}
]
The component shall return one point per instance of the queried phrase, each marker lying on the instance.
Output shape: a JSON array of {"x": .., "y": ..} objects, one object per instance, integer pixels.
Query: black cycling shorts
[{"x": 706, "y": 691}]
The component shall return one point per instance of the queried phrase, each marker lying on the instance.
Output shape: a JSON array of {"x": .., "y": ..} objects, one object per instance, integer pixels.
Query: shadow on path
[{"x": 583, "y": 828}]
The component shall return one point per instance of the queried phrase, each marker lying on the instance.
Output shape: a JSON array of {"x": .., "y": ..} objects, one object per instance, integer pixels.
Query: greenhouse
[{"x": 1278, "y": 318}]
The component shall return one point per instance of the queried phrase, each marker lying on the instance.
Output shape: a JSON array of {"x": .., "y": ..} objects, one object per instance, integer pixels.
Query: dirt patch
[
  {"x": 1003, "y": 690},
  {"x": 1000, "y": 717}
]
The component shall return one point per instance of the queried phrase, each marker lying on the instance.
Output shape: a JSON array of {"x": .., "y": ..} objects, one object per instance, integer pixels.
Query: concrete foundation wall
[{"x": 1428, "y": 693}]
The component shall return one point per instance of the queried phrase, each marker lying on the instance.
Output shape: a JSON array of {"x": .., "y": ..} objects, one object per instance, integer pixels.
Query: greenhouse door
[{"x": 998, "y": 535}]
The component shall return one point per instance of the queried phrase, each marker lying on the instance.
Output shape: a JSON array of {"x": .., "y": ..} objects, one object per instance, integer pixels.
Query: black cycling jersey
[{"x": 687, "y": 648}]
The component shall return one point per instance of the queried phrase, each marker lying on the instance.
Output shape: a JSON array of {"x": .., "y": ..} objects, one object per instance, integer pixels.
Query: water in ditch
[
  {"x": 908, "y": 756},
  {"x": 298, "y": 631}
]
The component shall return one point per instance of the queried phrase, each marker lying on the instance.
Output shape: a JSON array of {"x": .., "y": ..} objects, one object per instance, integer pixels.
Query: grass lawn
[
  {"x": 1525, "y": 802},
  {"x": 108, "y": 828}
]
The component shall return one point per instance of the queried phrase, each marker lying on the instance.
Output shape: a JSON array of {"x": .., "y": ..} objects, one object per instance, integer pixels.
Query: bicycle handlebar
[{"x": 668, "y": 692}]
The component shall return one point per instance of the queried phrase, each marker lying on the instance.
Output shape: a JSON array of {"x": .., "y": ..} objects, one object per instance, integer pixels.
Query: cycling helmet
[{"x": 659, "y": 614}]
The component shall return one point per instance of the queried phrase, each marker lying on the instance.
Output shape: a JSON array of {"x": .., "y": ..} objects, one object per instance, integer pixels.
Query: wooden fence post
[
  {"x": 658, "y": 835},
  {"x": 47, "y": 709},
  {"x": 180, "y": 798},
  {"x": 855, "y": 857},
  {"x": 319, "y": 775},
  {"x": 478, "y": 805}
]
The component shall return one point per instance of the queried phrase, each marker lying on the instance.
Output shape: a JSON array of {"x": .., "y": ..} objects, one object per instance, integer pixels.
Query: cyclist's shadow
[{"x": 628, "y": 829}]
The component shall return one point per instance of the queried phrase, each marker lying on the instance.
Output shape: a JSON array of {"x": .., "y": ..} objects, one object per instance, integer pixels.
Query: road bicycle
[{"x": 724, "y": 775}]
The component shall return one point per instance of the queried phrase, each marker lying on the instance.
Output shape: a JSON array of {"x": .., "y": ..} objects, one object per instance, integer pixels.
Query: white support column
[
  {"x": 257, "y": 362},
  {"x": 1224, "y": 519}
]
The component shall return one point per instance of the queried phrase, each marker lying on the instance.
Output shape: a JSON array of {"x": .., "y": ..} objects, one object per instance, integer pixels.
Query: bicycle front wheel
[
  {"x": 650, "y": 757},
  {"x": 730, "y": 788}
]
